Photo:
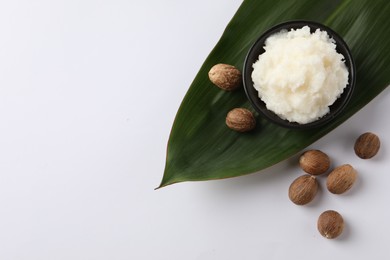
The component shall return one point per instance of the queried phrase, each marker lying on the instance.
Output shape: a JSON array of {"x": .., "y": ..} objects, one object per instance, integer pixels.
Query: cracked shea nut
[
  {"x": 341, "y": 179},
  {"x": 240, "y": 120},
  {"x": 303, "y": 189},
  {"x": 330, "y": 224},
  {"x": 226, "y": 77},
  {"x": 314, "y": 162},
  {"x": 367, "y": 145}
]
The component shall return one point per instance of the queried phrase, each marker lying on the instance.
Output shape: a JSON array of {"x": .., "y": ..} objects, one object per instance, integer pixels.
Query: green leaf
[{"x": 201, "y": 147}]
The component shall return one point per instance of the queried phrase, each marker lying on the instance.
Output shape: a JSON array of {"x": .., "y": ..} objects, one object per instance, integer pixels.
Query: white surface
[{"x": 83, "y": 133}]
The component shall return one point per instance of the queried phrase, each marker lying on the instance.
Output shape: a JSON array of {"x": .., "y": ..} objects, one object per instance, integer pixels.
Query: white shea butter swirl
[{"x": 300, "y": 74}]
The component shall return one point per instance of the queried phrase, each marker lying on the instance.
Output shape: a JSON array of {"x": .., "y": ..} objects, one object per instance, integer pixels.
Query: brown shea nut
[
  {"x": 367, "y": 145},
  {"x": 314, "y": 162},
  {"x": 330, "y": 224},
  {"x": 226, "y": 77},
  {"x": 303, "y": 189},
  {"x": 341, "y": 179},
  {"x": 240, "y": 120}
]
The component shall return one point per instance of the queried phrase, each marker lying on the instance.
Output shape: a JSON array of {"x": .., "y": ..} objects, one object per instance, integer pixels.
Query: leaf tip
[{"x": 165, "y": 183}]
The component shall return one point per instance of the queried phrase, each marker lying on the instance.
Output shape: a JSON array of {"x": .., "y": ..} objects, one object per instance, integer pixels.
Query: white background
[{"x": 88, "y": 94}]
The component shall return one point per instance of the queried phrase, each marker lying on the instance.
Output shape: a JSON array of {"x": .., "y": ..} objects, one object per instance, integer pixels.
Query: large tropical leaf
[{"x": 201, "y": 147}]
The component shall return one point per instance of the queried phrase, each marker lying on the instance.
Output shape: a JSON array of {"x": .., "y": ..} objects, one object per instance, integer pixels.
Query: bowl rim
[{"x": 257, "y": 48}]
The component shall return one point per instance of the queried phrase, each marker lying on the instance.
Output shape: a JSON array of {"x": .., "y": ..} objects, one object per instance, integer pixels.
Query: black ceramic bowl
[{"x": 257, "y": 49}]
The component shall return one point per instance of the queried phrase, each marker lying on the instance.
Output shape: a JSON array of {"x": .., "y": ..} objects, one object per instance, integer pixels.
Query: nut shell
[
  {"x": 240, "y": 120},
  {"x": 330, "y": 224},
  {"x": 367, "y": 145},
  {"x": 314, "y": 162},
  {"x": 341, "y": 179},
  {"x": 225, "y": 76},
  {"x": 303, "y": 189}
]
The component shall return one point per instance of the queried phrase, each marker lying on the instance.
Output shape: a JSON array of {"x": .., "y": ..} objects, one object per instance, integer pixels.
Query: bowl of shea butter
[{"x": 299, "y": 74}]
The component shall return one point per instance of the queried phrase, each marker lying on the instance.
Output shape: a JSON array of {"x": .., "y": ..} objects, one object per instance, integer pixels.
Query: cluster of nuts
[
  {"x": 302, "y": 190},
  {"x": 228, "y": 78}
]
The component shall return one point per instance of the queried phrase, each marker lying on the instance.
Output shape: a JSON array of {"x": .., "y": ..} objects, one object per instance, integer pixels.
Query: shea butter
[{"x": 300, "y": 74}]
